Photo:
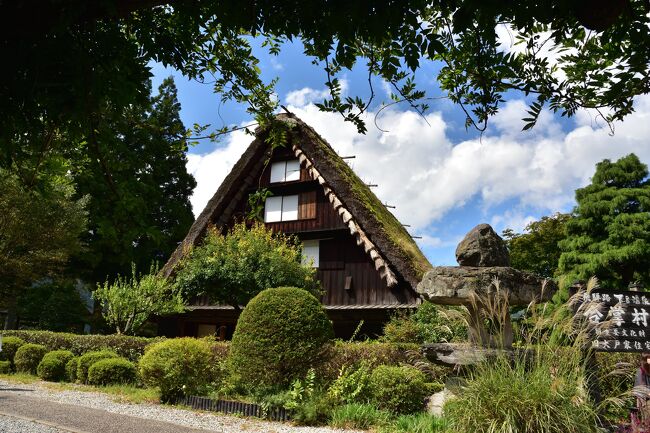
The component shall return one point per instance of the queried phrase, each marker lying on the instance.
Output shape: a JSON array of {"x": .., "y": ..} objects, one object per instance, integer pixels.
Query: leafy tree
[
  {"x": 52, "y": 305},
  {"x": 134, "y": 172},
  {"x": 609, "y": 237},
  {"x": 76, "y": 57},
  {"x": 536, "y": 250},
  {"x": 40, "y": 226},
  {"x": 128, "y": 303},
  {"x": 235, "y": 267}
]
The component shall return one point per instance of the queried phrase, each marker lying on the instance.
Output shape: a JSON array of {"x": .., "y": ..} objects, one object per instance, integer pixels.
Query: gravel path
[
  {"x": 17, "y": 425},
  {"x": 93, "y": 412}
]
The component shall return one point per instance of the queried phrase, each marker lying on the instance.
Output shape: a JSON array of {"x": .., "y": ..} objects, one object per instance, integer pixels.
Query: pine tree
[
  {"x": 136, "y": 177},
  {"x": 610, "y": 235}
]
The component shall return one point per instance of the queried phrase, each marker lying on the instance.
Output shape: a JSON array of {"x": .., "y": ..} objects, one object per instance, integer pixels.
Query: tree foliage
[
  {"x": 233, "y": 268},
  {"x": 609, "y": 237},
  {"x": 569, "y": 55},
  {"x": 536, "y": 250},
  {"x": 40, "y": 225},
  {"x": 134, "y": 173},
  {"x": 128, "y": 303}
]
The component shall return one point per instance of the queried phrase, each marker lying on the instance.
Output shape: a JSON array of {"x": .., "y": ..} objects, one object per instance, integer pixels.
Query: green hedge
[
  {"x": 9, "y": 347},
  {"x": 281, "y": 333},
  {"x": 398, "y": 389},
  {"x": 52, "y": 366},
  {"x": 28, "y": 356},
  {"x": 88, "y": 359},
  {"x": 71, "y": 370},
  {"x": 180, "y": 366},
  {"x": 5, "y": 367},
  {"x": 112, "y": 371},
  {"x": 126, "y": 346}
]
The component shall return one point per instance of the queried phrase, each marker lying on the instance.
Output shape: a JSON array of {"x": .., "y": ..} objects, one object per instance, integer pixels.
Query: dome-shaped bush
[
  {"x": 178, "y": 366},
  {"x": 111, "y": 371},
  {"x": 88, "y": 359},
  {"x": 9, "y": 347},
  {"x": 71, "y": 370},
  {"x": 52, "y": 366},
  {"x": 28, "y": 356},
  {"x": 398, "y": 389},
  {"x": 279, "y": 335}
]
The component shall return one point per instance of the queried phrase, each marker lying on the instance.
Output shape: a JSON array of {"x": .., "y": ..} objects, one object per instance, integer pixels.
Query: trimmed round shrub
[
  {"x": 279, "y": 335},
  {"x": 112, "y": 371},
  {"x": 398, "y": 389},
  {"x": 28, "y": 356},
  {"x": 9, "y": 347},
  {"x": 5, "y": 367},
  {"x": 52, "y": 366},
  {"x": 71, "y": 370},
  {"x": 182, "y": 366},
  {"x": 88, "y": 359}
]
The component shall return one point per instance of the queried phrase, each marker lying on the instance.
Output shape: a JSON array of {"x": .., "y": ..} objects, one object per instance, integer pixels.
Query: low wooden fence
[{"x": 235, "y": 407}]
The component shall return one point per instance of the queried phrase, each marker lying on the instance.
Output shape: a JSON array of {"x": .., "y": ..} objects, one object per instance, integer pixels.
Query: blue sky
[{"x": 442, "y": 178}]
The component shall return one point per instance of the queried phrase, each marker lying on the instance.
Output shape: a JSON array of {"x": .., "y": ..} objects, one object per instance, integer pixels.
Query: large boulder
[
  {"x": 482, "y": 247},
  {"x": 453, "y": 285}
]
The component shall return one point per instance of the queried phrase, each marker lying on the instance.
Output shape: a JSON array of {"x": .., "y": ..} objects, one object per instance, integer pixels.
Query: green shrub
[
  {"x": 279, "y": 336},
  {"x": 112, "y": 371},
  {"x": 88, "y": 359},
  {"x": 52, "y": 366},
  {"x": 28, "y": 356},
  {"x": 182, "y": 366},
  {"x": 542, "y": 395},
  {"x": 9, "y": 347},
  {"x": 372, "y": 353},
  {"x": 429, "y": 324},
  {"x": 124, "y": 345},
  {"x": 71, "y": 370},
  {"x": 352, "y": 385},
  {"x": 358, "y": 416},
  {"x": 416, "y": 423},
  {"x": 5, "y": 367},
  {"x": 398, "y": 389}
]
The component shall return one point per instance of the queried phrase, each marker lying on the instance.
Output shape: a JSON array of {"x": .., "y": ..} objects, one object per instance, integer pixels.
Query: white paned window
[
  {"x": 282, "y": 208},
  {"x": 273, "y": 209},
  {"x": 310, "y": 253},
  {"x": 293, "y": 170},
  {"x": 285, "y": 171},
  {"x": 290, "y": 207}
]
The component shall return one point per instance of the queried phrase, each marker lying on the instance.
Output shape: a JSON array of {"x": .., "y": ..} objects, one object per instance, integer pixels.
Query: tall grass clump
[
  {"x": 543, "y": 388},
  {"x": 416, "y": 423},
  {"x": 358, "y": 416}
]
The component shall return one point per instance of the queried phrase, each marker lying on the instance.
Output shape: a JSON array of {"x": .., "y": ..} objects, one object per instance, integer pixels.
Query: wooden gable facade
[{"x": 366, "y": 262}]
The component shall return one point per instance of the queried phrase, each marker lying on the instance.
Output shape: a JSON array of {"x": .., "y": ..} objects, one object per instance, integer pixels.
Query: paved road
[{"x": 78, "y": 419}]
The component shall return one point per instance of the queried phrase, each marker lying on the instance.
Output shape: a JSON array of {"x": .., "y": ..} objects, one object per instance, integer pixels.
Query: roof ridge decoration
[{"x": 392, "y": 250}]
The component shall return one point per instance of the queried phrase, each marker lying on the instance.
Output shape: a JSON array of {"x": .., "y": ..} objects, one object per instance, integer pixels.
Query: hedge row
[{"x": 126, "y": 346}]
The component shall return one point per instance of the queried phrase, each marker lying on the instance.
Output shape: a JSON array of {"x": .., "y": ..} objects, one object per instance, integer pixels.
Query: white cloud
[
  {"x": 211, "y": 168},
  {"x": 307, "y": 95},
  {"x": 425, "y": 175}
]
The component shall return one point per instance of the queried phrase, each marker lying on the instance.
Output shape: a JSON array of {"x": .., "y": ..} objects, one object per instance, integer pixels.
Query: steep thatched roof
[{"x": 376, "y": 229}]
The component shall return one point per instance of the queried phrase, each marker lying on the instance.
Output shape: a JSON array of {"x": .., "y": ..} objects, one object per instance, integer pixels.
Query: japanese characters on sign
[{"x": 621, "y": 320}]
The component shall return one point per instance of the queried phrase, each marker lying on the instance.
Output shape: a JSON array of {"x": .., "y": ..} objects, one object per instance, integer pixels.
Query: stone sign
[{"x": 620, "y": 320}]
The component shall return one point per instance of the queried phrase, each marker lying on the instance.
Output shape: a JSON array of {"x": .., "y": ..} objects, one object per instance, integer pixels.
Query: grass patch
[
  {"x": 417, "y": 423},
  {"x": 122, "y": 393},
  {"x": 358, "y": 416},
  {"x": 20, "y": 378}
]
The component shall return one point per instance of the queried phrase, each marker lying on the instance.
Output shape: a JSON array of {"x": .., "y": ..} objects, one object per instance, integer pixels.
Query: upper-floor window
[
  {"x": 285, "y": 171},
  {"x": 281, "y": 208}
]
